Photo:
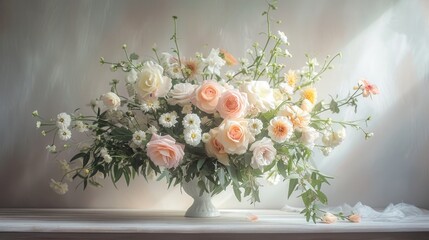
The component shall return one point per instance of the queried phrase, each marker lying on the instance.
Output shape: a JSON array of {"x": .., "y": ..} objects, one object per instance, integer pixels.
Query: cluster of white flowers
[
  {"x": 192, "y": 131},
  {"x": 105, "y": 155},
  {"x": 59, "y": 187},
  {"x": 332, "y": 139}
]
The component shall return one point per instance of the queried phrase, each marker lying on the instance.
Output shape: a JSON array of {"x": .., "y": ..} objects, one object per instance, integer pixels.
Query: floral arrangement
[{"x": 215, "y": 118}]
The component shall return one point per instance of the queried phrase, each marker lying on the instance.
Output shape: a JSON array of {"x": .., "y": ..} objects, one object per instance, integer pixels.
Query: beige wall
[{"x": 49, "y": 53}]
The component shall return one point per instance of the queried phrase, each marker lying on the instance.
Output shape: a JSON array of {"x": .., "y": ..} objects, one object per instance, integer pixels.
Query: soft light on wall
[{"x": 49, "y": 52}]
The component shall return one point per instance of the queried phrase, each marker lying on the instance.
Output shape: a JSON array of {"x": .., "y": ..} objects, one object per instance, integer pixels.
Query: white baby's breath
[
  {"x": 64, "y": 134},
  {"x": 63, "y": 120},
  {"x": 51, "y": 148}
]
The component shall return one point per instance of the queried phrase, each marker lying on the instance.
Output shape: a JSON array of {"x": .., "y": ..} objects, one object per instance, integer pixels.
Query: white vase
[{"x": 202, "y": 207}]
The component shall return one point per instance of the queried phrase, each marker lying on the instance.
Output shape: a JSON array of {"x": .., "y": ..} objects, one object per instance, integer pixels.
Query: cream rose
[
  {"x": 260, "y": 94},
  {"x": 309, "y": 136},
  {"x": 263, "y": 153},
  {"x": 232, "y": 104},
  {"x": 207, "y": 96},
  {"x": 235, "y": 136},
  {"x": 111, "y": 100},
  {"x": 164, "y": 151},
  {"x": 214, "y": 148},
  {"x": 181, "y": 94},
  {"x": 329, "y": 218},
  {"x": 151, "y": 83}
]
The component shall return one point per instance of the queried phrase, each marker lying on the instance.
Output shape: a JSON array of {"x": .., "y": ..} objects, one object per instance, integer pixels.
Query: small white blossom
[
  {"x": 206, "y": 137},
  {"x": 168, "y": 120},
  {"x": 283, "y": 37},
  {"x": 152, "y": 130},
  {"x": 326, "y": 151},
  {"x": 187, "y": 109},
  {"x": 255, "y": 126},
  {"x": 312, "y": 62},
  {"x": 138, "y": 137},
  {"x": 63, "y": 120},
  {"x": 214, "y": 62},
  {"x": 288, "y": 54},
  {"x": 38, "y": 124},
  {"x": 35, "y": 113},
  {"x": 192, "y": 136},
  {"x": 191, "y": 121},
  {"x": 59, "y": 187},
  {"x": 51, "y": 148},
  {"x": 80, "y": 126},
  {"x": 66, "y": 169},
  {"x": 64, "y": 134},
  {"x": 105, "y": 154},
  {"x": 132, "y": 76}
]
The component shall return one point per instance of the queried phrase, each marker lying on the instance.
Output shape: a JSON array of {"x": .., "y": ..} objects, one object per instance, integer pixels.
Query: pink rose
[
  {"x": 215, "y": 149},
  {"x": 354, "y": 218},
  {"x": 207, "y": 96},
  {"x": 232, "y": 104},
  {"x": 235, "y": 136},
  {"x": 164, "y": 151}
]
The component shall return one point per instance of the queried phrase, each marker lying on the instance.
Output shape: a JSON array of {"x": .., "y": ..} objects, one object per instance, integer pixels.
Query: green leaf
[
  {"x": 334, "y": 106},
  {"x": 77, "y": 156},
  {"x": 322, "y": 197},
  {"x": 134, "y": 56},
  {"x": 200, "y": 163},
  {"x": 317, "y": 107},
  {"x": 237, "y": 192},
  {"x": 292, "y": 185}
]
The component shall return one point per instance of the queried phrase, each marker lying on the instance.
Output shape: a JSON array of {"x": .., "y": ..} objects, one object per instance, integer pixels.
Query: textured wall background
[{"x": 49, "y": 53}]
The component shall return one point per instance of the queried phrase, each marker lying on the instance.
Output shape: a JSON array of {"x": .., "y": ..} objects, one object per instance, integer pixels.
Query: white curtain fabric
[{"x": 49, "y": 53}]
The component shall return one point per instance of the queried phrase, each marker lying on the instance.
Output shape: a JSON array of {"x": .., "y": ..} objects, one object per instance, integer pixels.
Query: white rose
[
  {"x": 259, "y": 94},
  {"x": 263, "y": 153},
  {"x": 181, "y": 94},
  {"x": 111, "y": 100},
  {"x": 150, "y": 82},
  {"x": 309, "y": 136}
]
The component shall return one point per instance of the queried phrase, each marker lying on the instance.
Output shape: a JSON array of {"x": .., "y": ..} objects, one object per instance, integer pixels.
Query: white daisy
[
  {"x": 192, "y": 136},
  {"x": 255, "y": 126},
  {"x": 191, "y": 121},
  {"x": 150, "y": 105},
  {"x": 63, "y": 120},
  {"x": 59, "y": 187},
  {"x": 138, "y": 137},
  {"x": 152, "y": 130},
  {"x": 64, "y": 134},
  {"x": 168, "y": 120}
]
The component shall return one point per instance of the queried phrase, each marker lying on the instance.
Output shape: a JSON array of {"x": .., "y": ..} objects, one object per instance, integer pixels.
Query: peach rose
[
  {"x": 215, "y": 149},
  {"x": 232, "y": 104},
  {"x": 235, "y": 136},
  {"x": 207, "y": 96},
  {"x": 164, "y": 151},
  {"x": 354, "y": 218},
  {"x": 299, "y": 118}
]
